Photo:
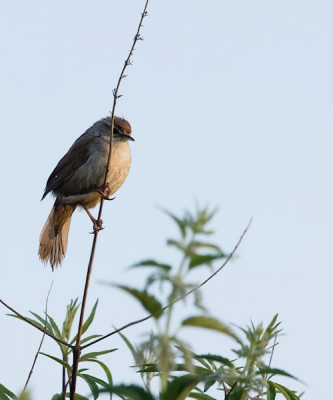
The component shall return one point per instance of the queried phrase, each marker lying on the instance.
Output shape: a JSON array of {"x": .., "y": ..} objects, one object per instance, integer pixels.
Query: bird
[{"x": 78, "y": 181}]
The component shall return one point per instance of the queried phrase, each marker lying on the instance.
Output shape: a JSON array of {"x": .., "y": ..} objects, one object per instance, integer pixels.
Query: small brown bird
[{"x": 78, "y": 180}]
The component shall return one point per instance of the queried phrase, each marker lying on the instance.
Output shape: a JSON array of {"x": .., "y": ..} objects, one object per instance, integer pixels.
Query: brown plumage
[{"x": 77, "y": 181}]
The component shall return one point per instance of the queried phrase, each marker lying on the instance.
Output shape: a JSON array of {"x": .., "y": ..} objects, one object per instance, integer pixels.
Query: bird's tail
[{"x": 54, "y": 236}]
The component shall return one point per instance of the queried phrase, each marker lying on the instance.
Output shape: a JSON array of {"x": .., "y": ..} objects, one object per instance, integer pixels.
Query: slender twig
[
  {"x": 225, "y": 390},
  {"x": 77, "y": 348},
  {"x": 122, "y": 76},
  {"x": 231, "y": 389},
  {"x": 180, "y": 298},
  {"x": 63, "y": 393},
  {"x": 41, "y": 342},
  {"x": 35, "y": 326},
  {"x": 272, "y": 353}
]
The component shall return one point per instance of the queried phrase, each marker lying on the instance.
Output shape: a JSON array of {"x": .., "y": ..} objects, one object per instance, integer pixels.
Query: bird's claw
[
  {"x": 105, "y": 192},
  {"x": 97, "y": 226}
]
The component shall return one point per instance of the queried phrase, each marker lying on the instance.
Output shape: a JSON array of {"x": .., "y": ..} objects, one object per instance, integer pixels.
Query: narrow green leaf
[
  {"x": 272, "y": 323},
  {"x": 204, "y": 245},
  {"x": 181, "y": 224},
  {"x": 56, "y": 397},
  {"x": 94, "y": 354},
  {"x": 128, "y": 343},
  {"x": 92, "y": 384},
  {"x": 152, "y": 263},
  {"x": 82, "y": 370},
  {"x": 175, "y": 243},
  {"x": 149, "y": 302},
  {"x": 55, "y": 327},
  {"x": 213, "y": 357},
  {"x": 88, "y": 321},
  {"x": 206, "y": 322},
  {"x": 4, "y": 391},
  {"x": 201, "y": 396},
  {"x": 37, "y": 324},
  {"x": 209, "y": 383},
  {"x": 274, "y": 371},
  {"x": 46, "y": 326},
  {"x": 204, "y": 259},
  {"x": 63, "y": 363},
  {"x": 106, "y": 370},
  {"x": 132, "y": 392},
  {"x": 180, "y": 387},
  {"x": 86, "y": 339},
  {"x": 239, "y": 393},
  {"x": 271, "y": 392},
  {"x": 287, "y": 393},
  {"x": 78, "y": 396},
  {"x": 177, "y": 368}
]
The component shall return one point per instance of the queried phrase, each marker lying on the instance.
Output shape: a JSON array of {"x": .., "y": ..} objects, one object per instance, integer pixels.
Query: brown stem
[
  {"x": 77, "y": 348},
  {"x": 41, "y": 342}
]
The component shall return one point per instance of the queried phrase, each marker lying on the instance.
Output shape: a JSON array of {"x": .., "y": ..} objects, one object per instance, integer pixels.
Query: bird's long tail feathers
[{"x": 54, "y": 236}]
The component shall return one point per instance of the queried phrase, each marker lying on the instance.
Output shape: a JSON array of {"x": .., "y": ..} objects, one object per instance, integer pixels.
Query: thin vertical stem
[{"x": 77, "y": 348}]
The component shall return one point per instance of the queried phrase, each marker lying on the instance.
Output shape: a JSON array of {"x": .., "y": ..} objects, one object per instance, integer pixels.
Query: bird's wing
[{"x": 76, "y": 156}]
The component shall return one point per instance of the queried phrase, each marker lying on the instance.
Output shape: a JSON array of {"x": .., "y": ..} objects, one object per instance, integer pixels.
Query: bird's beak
[{"x": 128, "y": 137}]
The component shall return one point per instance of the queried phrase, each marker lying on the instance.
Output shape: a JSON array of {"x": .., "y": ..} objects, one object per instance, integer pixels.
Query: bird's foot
[
  {"x": 97, "y": 225},
  {"x": 105, "y": 192}
]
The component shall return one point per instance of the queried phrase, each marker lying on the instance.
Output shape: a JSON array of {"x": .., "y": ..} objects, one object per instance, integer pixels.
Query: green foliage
[
  {"x": 64, "y": 335},
  {"x": 162, "y": 355}
]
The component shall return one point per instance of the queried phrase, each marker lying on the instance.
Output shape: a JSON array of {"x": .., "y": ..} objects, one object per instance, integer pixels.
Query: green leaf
[
  {"x": 272, "y": 323},
  {"x": 105, "y": 369},
  {"x": 204, "y": 259},
  {"x": 181, "y": 223},
  {"x": 287, "y": 393},
  {"x": 271, "y": 392},
  {"x": 209, "y": 383},
  {"x": 69, "y": 318},
  {"x": 88, "y": 321},
  {"x": 132, "y": 392},
  {"x": 37, "y": 324},
  {"x": 55, "y": 328},
  {"x": 177, "y": 367},
  {"x": 180, "y": 387},
  {"x": 201, "y": 396},
  {"x": 64, "y": 349},
  {"x": 86, "y": 339},
  {"x": 4, "y": 393},
  {"x": 204, "y": 321},
  {"x": 152, "y": 263},
  {"x": 213, "y": 357},
  {"x": 274, "y": 371},
  {"x": 149, "y": 302},
  {"x": 56, "y": 397},
  {"x": 94, "y": 354},
  {"x": 239, "y": 393},
  {"x": 47, "y": 326},
  {"x": 92, "y": 384},
  {"x": 202, "y": 245},
  {"x": 78, "y": 396},
  {"x": 175, "y": 243},
  {"x": 63, "y": 363},
  {"x": 128, "y": 343}
]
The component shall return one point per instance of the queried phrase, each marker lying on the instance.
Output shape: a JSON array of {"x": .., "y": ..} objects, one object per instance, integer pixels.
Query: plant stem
[{"x": 77, "y": 347}]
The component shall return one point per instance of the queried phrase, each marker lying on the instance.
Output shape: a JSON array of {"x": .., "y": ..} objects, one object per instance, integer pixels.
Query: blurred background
[{"x": 231, "y": 106}]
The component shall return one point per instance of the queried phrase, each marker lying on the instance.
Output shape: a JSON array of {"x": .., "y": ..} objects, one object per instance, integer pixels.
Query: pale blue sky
[{"x": 231, "y": 104}]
